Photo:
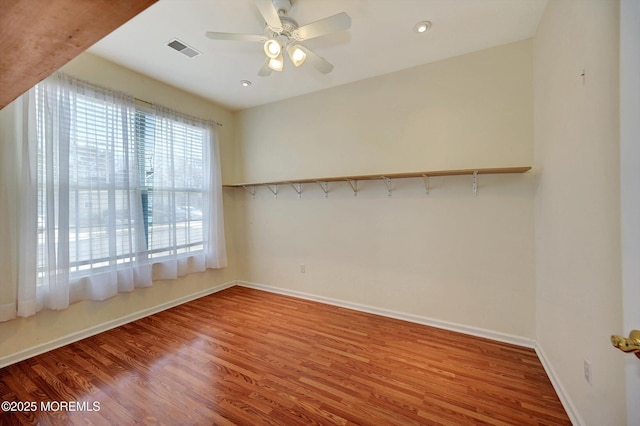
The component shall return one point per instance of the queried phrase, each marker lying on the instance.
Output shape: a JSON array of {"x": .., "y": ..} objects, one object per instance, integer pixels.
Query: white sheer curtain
[
  {"x": 186, "y": 201},
  {"x": 80, "y": 233},
  {"x": 110, "y": 196},
  {"x": 214, "y": 240},
  {"x": 11, "y": 137}
]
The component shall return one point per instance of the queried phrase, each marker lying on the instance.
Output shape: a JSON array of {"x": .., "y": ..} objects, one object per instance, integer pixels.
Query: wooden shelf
[{"x": 387, "y": 176}]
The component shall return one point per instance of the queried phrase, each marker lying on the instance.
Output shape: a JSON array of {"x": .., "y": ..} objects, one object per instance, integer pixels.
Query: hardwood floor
[{"x": 244, "y": 356}]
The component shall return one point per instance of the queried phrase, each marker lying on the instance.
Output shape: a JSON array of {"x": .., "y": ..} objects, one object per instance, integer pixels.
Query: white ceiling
[{"x": 381, "y": 40}]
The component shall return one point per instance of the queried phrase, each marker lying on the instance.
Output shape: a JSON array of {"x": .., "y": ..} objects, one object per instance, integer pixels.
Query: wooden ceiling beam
[{"x": 38, "y": 37}]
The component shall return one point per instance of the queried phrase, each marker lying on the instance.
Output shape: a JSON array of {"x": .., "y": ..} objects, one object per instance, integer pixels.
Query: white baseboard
[
  {"x": 91, "y": 331},
  {"x": 473, "y": 331},
  {"x": 567, "y": 403}
]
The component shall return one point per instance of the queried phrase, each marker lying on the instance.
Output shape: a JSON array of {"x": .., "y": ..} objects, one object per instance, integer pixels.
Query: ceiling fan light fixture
[
  {"x": 296, "y": 55},
  {"x": 272, "y": 48},
  {"x": 282, "y": 32},
  {"x": 276, "y": 63}
]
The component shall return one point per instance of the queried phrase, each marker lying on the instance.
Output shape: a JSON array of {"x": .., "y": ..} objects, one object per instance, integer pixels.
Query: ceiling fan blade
[
  {"x": 270, "y": 14},
  {"x": 316, "y": 61},
  {"x": 239, "y": 37},
  {"x": 265, "y": 71},
  {"x": 328, "y": 25}
]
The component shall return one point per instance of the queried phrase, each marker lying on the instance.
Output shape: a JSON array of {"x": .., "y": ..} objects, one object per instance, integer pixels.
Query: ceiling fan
[{"x": 283, "y": 33}]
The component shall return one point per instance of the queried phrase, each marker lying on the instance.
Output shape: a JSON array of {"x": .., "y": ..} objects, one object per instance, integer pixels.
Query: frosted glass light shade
[
  {"x": 297, "y": 55},
  {"x": 272, "y": 48},
  {"x": 276, "y": 63}
]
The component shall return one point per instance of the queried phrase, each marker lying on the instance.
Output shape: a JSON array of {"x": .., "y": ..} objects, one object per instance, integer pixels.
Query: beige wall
[
  {"x": 577, "y": 213},
  {"x": 472, "y": 111},
  {"x": 22, "y": 335},
  {"x": 448, "y": 256}
]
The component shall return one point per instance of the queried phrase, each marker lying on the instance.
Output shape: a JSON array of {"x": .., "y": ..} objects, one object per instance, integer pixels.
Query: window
[
  {"x": 87, "y": 208},
  {"x": 114, "y": 189},
  {"x": 172, "y": 183}
]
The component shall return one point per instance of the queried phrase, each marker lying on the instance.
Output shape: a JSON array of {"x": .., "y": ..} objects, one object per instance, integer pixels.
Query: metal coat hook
[
  {"x": 425, "y": 178},
  {"x": 354, "y": 186},
  {"x": 251, "y": 189},
  {"x": 298, "y": 188},
  {"x": 387, "y": 181},
  {"x": 273, "y": 190},
  {"x": 475, "y": 183},
  {"x": 325, "y": 187}
]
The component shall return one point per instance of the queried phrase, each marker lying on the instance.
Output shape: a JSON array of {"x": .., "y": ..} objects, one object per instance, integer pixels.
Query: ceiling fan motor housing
[{"x": 288, "y": 27}]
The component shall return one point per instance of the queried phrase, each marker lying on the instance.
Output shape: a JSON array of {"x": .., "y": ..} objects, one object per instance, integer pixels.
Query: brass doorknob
[{"x": 631, "y": 344}]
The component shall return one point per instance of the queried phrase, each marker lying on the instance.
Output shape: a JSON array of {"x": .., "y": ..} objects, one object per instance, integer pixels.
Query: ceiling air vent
[{"x": 183, "y": 48}]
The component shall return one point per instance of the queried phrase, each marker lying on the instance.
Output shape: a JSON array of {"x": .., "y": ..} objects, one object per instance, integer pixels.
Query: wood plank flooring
[{"x": 243, "y": 356}]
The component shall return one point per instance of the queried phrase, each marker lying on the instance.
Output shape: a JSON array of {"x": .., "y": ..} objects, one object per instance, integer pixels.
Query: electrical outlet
[
  {"x": 303, "y": 269},
  {"x": 587, "y": 371}
]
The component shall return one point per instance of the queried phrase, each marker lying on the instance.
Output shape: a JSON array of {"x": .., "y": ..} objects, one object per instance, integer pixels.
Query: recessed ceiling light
[
  {"x": 245, "y": 83},
  {"x": 422, "y": 27}
]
